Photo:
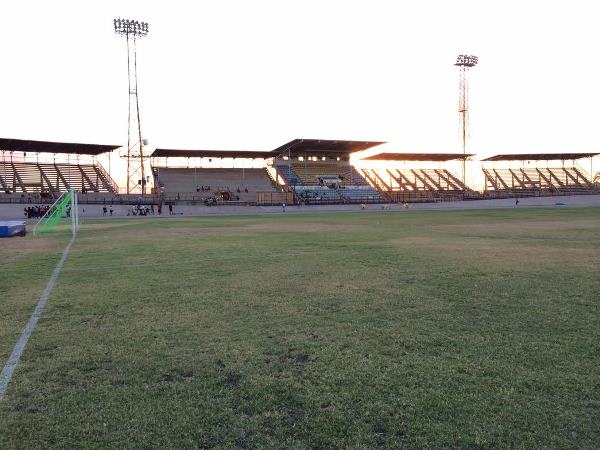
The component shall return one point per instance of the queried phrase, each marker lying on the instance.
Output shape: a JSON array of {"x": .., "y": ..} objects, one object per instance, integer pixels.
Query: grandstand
[
  {"x": 416, "y": 177},
  {"x": 40, "y": 169},
  {"x": 182, "y": 175},
  {"x": 514, "y": 175},
  {"x": 303, "y": 170},
  {"x": 319, "y": 171}
]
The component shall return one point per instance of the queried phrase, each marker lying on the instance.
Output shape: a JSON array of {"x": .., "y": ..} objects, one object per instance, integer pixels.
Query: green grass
[{"x": 470, "y": 329}]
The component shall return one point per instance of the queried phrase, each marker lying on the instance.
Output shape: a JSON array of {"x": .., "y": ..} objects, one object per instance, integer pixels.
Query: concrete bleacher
[
  {"x": 29, "y": 177},
  {"x": 418, "y": 185},
  {"x": 434, "y": 180},
  {"x": 188, "y": 182},
  {"x": 537, "y": 181}
]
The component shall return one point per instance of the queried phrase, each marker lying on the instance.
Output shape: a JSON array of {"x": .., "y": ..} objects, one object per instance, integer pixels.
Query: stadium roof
[
  {"x": 324, "y": 146},
  {"x": 416, "y": 157},
  {"x": 172, "y": 153},
  {"x": 295, "y": 147},
  {"x": 20, "y": 145},
  {"x": 540, "y": 156}
]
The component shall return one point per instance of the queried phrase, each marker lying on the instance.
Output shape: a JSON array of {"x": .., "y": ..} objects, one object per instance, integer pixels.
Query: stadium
[
  {"x": 302, "y": 171},
  {"x": 317, "y": 293}
]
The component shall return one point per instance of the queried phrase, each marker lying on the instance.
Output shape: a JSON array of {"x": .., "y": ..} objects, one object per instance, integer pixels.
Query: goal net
[{"x": 64, "y": 209}]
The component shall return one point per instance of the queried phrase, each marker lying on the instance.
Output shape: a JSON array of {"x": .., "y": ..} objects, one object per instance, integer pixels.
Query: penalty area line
[{"x": 14, "y": 357}]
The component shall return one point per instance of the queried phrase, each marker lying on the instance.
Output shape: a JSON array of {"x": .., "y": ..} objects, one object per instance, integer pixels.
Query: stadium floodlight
[
  {"x": 133, "y": 30},
  {"x": 131, "y": 27},
  {"x": 466, "y": 61}
]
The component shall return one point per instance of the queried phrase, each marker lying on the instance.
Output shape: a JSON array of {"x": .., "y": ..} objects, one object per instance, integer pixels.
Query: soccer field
[{"x": 435, "y": 329}]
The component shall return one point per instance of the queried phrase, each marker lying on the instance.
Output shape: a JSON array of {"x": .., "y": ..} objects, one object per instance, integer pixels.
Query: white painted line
[{"x": 11, "y": 364}]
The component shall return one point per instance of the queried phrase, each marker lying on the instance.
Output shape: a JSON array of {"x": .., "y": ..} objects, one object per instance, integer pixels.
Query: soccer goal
[{"x": 63, "y": 209}]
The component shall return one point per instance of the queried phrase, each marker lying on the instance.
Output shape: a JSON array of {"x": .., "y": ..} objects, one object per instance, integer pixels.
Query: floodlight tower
[
  {"x": 136, "y": 176},
  {"x": 464, "y": 63}
]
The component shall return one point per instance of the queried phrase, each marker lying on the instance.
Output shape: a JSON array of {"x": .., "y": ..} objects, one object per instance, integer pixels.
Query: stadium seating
[
  {"x": 316, "y": 194},
  {"x": 537, "y": 181},
  {"x": 288, "y": 174},
  {"x": 350, "y": 185},
  {"x": 54, "y": 177},
  {"x": 188, "y": 183},
  {"x": 433, "y": 180},
  {"x": 418, "y": 185},
  {"x": 309, "y": 172},
  {"x": 359, "y": 194}
]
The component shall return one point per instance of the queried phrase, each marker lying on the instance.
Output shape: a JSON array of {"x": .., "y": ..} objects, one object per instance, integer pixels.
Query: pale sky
[{"x": 255, "y": 74}]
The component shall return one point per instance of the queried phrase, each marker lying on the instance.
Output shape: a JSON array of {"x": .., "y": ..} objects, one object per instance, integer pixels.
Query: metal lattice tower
[
  {"x": 464, "y": 63},
  {"x": 136, "y": 173}
]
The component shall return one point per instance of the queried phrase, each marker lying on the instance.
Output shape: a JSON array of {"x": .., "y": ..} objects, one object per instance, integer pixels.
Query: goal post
[
  {"x": 74, "y": 212},
  {"x": 65, "y": 207}
]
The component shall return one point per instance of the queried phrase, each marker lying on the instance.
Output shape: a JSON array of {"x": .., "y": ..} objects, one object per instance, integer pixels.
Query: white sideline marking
[{"x": 11, "y": 364}]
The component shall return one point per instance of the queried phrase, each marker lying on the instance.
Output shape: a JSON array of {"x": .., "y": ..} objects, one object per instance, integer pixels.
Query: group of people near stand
[
  {"x": 35, "y": 212},
  {"x": 38, "y": 211}
]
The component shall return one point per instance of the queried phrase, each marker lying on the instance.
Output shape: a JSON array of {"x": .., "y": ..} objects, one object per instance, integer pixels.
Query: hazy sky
[{"x": 255, "y": 74}]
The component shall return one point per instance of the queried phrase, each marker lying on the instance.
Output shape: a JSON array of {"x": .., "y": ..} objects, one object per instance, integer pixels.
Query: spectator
[
  {"x": 283, "y": 207},
  {"x": 111, "y": 210},
  {"x": 170, "y": 209},
  {"x": 104, "y": 210}
]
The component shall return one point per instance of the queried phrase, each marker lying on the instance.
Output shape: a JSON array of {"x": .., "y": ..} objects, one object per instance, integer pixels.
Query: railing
[
  {"x": 274, "y": 198},
  {"x": 274, "y": 176},
  {"x": 107, "y": 178},
  {"x": 544, "y": 192}
]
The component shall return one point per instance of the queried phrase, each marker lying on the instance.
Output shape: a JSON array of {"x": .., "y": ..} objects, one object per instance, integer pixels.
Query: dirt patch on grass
[
  {"x": 295, "y": 227},
  {"x": 501, "y": 252},
  {"x": 520, "y": 227},
  {"x": 153, "y": 234},
  {"x": 14, "y": 248},
  {"x": 109, "y": 224}
]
